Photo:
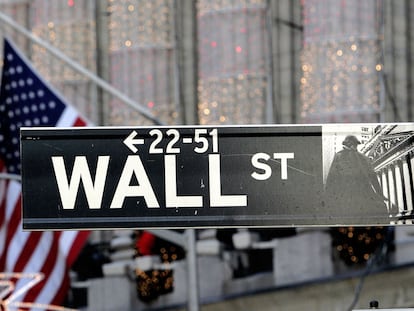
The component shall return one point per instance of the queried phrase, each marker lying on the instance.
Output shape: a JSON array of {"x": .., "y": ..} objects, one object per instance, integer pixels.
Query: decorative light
[
  {"x": 73, "y": 32},
  {"x": 150, "y": 284},
  {"x": 141, "y": 45},
  {"x": 355, "y": 246},
  {"x": 141, "y": 27},
  {"x": 345, "y": 57},
  {"x": 232, "y": 68}
]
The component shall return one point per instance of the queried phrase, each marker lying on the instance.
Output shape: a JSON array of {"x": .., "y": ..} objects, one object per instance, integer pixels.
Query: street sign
[{"x": 212, "y": 176}]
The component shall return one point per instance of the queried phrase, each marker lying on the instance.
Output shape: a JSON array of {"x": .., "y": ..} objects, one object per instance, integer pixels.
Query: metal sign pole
[
  {"x": 193, "y": 295},
  {"x": 187, "y": 240}
]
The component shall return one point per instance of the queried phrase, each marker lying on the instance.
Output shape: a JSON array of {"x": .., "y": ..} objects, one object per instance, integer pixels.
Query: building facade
[{"x": 238, "y": 62}]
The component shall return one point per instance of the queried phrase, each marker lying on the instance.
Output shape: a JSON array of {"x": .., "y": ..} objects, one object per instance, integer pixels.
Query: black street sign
[{"x": 211, "y": 176}]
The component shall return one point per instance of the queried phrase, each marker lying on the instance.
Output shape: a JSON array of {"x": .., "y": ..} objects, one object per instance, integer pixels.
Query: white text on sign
[
  {"x": 134, "y": 168},
  {"x": 166, "y": 144}
]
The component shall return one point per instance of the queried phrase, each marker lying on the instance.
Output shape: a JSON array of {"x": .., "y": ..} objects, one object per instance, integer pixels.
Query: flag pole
[{"x": 80, "y": 69}]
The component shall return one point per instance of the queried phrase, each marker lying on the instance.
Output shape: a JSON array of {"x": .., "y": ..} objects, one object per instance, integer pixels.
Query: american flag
[{"x": 27, "y": 100}]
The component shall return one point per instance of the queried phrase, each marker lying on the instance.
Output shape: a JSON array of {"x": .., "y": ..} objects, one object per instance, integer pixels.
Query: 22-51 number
[{"x": 201, "y": 139}]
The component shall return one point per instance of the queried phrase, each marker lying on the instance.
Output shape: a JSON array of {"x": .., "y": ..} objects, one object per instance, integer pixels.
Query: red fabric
[{"x": 145, "y": 243}]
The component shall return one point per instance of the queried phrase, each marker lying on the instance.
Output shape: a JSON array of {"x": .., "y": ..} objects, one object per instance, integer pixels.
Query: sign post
[{"x": 192, "y": 278}]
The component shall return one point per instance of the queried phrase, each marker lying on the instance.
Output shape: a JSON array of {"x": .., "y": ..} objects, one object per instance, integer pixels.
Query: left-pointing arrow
[{"x": 130, "y": 141}]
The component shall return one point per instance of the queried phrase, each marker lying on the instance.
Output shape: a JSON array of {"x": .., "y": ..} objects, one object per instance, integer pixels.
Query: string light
[
  {"x": 141, "y": 43},
  {"x": 141, "y": 47},
  {"x": 72, "y": 31},
  {"x": 344, "y": 54},
  {"x": 232, "y": 69},
  {"x": 150, "y": 284},
  {"x": 355, "y": 246}
]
